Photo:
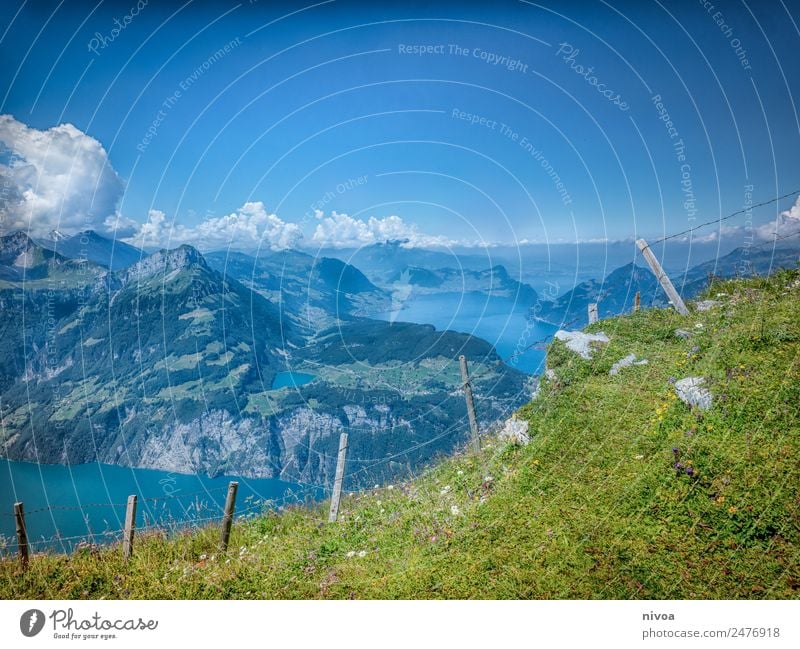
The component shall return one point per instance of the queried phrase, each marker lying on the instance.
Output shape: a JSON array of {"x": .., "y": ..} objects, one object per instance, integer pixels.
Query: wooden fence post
[
  {"x": 592, "y": 313},
  {"x": 637, "y": 301},
  {"x": 473, "y": 420},
  {"x": 336, "y": 496},
  {"x": 662, "y": 278},
  {"x": 22, "y": 534},
  {"x": 227, "y": 517},
  {"x": 130, "y": 528}
]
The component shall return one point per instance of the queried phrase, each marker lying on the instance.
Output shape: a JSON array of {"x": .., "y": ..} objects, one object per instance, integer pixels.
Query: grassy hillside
[{"x": 593, "y": 507}]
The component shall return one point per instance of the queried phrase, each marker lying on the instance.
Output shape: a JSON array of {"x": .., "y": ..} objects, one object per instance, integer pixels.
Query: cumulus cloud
[
  {"x": 59, "y": 178},
  {"x": 787, "y": 224},
  {"x": 248, "y": 227},
  {"x": 343, "y": 231},
  {"x": 725, "y": 231}
]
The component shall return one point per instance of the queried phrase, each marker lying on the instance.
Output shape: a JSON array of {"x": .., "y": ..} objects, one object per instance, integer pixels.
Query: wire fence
[
  {"x": 745, "y": 210},
  {"x": 161, "y": 516},
  {"x": 169, "y": 521}
]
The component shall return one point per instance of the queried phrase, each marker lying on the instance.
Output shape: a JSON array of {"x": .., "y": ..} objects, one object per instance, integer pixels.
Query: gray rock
[
  {"x": 515, "y": 431},
  {"x": 691, "y": 391},
  {"x": 706, "y": 305},
  {"x": 682, "y": 333},
  {"x": 579, "y": 342},
  {"x": 629, "y": 360}
]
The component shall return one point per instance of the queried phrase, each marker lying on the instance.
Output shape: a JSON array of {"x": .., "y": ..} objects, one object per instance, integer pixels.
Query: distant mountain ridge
[
  {"x": 89, "y": 245},
  {"x": 170, "y": 364},
  {"x": 315, "y": 291},
  {"x": 614, "y": 295},
  {"x": 493, "y": 282}
]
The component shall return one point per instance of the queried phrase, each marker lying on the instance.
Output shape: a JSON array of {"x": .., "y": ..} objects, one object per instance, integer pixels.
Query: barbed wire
[
  {"x": 774, "y": 240},
  {"x": 294, "y": 497},
  {"x": 169, "y": 525},
  {"x": 725, "y": 218}
]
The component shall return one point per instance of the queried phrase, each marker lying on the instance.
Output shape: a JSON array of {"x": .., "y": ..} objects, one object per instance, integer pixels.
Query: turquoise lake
[
  {"x": 87, "y": 501},
  {"x": 291, "y": 379},
  {"x": 499, "y": 321}
]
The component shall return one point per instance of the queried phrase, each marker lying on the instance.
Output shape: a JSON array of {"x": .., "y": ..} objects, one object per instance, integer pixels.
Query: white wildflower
[
  {"x": 445, "y": 491},
  {"x": 460, "y": 472},
  {"x": 362, "y": 554},
  {"x": 454, "y": 510},
  {"x": 351, "y": 554}
]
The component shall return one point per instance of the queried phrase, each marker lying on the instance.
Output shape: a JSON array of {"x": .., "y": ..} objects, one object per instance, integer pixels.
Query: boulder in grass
[
  {"x": 629, "y": 360},
  {"x": 682, "y": 333},
  {"x": 515, "y": 431},
  {"x": 691, "y": 391},
  {"x": 706, "y": 305},
  {"x": 580, "y": 342}
]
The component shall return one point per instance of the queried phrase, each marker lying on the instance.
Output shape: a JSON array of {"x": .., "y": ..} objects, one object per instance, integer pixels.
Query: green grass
[{"x": 593, "y": 507}]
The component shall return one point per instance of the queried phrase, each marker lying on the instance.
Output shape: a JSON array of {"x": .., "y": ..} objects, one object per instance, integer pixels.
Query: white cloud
[
  {"x": 787, "y": 223},
  {"x": 343, "y": 231},
  {"x": 60, "y": 178},
  {"x": 247, "y": 228},
  {"x": 724, "y": 232}
]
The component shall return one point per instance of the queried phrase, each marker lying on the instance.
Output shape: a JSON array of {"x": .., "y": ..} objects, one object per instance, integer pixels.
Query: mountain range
[
  {"x": 228, "y": 363},
  {"x": 614, "y": 295},
  {"x": 91, "y": 246},
  {"x": 174, "y": 364}
]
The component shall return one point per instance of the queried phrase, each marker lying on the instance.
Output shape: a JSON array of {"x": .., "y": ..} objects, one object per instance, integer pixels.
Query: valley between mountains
[
  {"x": 172, "y": 363},
  {"x": 230, "y": 364}
]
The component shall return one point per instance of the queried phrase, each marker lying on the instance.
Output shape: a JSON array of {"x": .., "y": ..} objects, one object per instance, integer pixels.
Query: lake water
[
  {"x": 497, "y": 320},
  {"x": 87, "y": 501},
  {"x": 291, "y": 379}
]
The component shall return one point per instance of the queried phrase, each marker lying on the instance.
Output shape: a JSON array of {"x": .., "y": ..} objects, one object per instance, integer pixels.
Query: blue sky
[{"x": 496, "y": 132}]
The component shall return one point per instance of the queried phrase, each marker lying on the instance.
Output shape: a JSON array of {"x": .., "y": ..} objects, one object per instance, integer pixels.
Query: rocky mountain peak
[
  {"x": 18, "y": 249},
  {"x": 165, "y": 261}
]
